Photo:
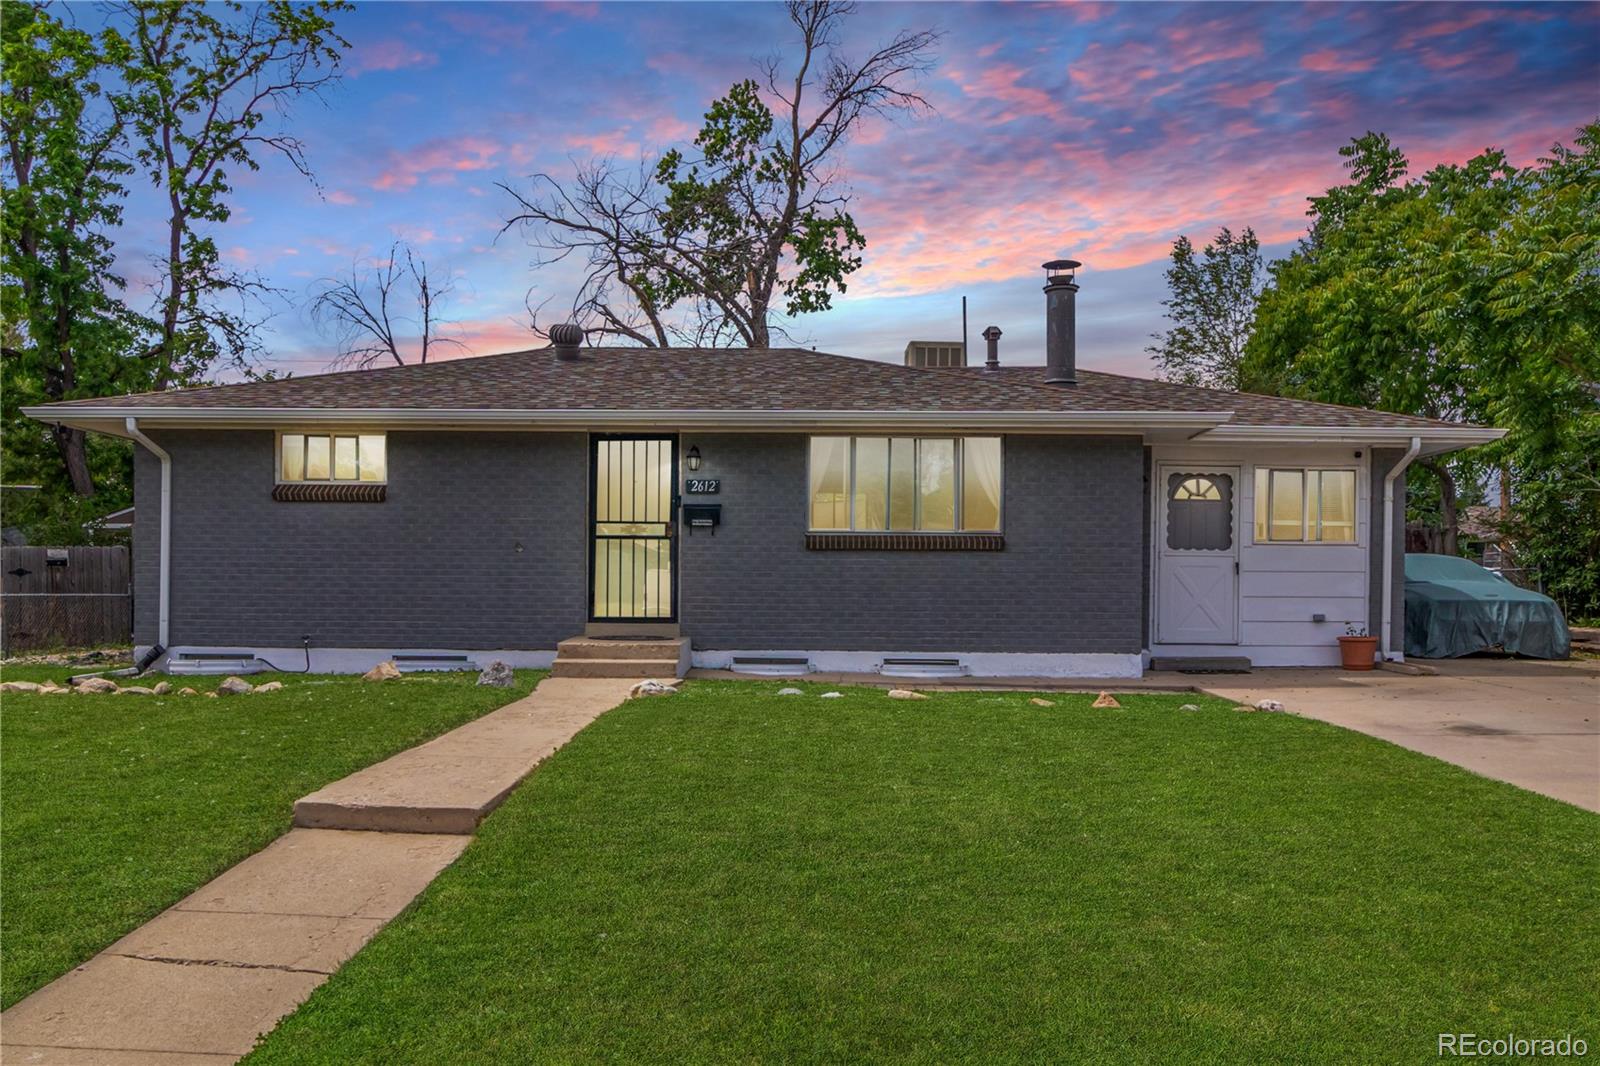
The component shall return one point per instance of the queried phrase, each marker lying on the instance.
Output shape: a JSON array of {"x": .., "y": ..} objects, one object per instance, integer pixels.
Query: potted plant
[{"x": 1357, "y": 650}]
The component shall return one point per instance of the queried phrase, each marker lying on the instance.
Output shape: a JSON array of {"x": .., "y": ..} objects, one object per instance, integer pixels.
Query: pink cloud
[
  {"x": 441, "y": 157},
  {"x": 1327, "y": 61},
  {"x": 1245, "y": 95},
  {"x": 342, "y": 198},
  {"x": 388, "y": 55},
  {"x": 1216, "y": 41},
  {"x": 614, "y": 142},
  {"x": 1003, "y": 82}
]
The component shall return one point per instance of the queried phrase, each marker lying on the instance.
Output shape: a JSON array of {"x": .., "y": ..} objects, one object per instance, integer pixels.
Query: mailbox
[{"x": 702, "y": 516}]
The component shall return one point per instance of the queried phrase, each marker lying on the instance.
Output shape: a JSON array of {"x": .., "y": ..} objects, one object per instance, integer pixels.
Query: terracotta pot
[{"x": 1357, "y": 653}]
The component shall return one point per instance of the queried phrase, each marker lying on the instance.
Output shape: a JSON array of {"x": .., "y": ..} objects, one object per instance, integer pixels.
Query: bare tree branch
[
  {"x": 369, "y": 309},
  {"x": 720, "y": 247}
]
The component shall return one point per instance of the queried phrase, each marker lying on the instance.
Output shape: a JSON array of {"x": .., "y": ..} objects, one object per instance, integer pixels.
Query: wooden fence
[{"x": 64, "y": 598}]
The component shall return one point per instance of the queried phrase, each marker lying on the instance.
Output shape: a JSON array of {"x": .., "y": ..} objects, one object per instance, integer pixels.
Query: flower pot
[{"x": 1357, "y": 653}]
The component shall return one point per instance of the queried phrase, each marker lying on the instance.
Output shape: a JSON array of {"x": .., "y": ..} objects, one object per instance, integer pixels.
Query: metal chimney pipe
[
  {"x": 1061, "y": 322},
  {"x": 566, "y": 339},
  {"x": 992, "y": 336}
]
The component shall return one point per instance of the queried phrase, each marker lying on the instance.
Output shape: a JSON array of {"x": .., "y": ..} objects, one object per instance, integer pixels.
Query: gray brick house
[{"x": 763, "y": 504}]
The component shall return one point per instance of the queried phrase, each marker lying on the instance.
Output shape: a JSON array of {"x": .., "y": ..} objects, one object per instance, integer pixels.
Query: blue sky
[{"x": 1097, "y": 131}]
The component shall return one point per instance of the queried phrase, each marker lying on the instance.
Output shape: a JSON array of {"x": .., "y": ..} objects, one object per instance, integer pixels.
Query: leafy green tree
[
  {"x": 711, "y": 246},
  {"x": 64, "y": 170},
  {"x": 1472, "y": 293},
  {"x": 182, "y": 92},
  {"x": 1211, "y": 300},
  {"x": 202, "y": 80}
]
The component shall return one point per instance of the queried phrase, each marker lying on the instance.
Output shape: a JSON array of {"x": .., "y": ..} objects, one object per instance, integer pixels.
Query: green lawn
[
  {"x": 115, "y": 807},
  {"x": 727, "y": 875}
]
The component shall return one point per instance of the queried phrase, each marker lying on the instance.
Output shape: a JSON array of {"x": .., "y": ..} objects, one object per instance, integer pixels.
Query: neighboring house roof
[
  {"x": 119, "y": 519},
  {"x": 748, "y": 386}
]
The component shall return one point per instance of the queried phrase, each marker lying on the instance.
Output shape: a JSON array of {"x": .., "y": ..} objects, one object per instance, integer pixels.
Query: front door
[
  {"x": 1197, "y": 585},
  {"x": 633, "y": 549}
]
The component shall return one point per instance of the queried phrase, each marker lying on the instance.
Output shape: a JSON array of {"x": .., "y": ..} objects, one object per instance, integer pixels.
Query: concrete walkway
[
  {"x": 1534, "y": 724},
  {"x": 204, "y": 979}
]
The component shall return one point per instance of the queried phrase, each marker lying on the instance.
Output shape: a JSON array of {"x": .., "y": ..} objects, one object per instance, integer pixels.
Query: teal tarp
[{"x": 1456, "y": 607}]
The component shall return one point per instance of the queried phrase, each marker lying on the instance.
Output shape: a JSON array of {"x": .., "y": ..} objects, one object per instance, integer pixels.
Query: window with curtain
[
  {"x": 354, "y": 457},
  {"x": 923, "y": 484},
  {"x": 1305, "y": 506}
]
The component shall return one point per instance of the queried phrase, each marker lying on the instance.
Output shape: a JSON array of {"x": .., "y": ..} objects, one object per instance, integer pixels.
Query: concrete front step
[
  {"x": 617, "y": 648},
  {"x": 623, "y": 668}
]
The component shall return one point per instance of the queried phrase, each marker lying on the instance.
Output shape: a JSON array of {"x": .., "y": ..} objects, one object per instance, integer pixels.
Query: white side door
[{"x": 1197, "y": 559}]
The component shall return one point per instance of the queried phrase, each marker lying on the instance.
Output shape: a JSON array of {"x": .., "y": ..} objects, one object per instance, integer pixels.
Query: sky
[{"x": 1094, "y": 131}]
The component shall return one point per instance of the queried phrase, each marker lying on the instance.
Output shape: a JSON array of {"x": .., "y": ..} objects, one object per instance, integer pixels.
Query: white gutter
[
  {"x": 1386, "y": 647},
  {"x": 164, "y": 575}
]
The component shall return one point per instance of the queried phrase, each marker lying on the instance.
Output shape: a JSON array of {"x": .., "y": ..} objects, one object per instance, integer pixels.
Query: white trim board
[
  {"x": 358, "y": 660},
  {"x": 978, "y": 664}
]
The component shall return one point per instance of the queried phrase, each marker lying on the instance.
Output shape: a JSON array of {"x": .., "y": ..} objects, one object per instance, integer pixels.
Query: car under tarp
[{"x": 1455, "y": 607}]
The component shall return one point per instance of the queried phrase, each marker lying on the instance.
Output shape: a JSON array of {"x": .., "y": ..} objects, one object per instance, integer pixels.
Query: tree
[
  {"x": 62, "y": 196},
  {"x": 1212, "y": 303},
  {"x": 364, "y": 310},
  {"x": 1472, "y": 293},
  {"x": 182, "y": 92},
  {"x": 713, "y": 244},
  {"x": 200, "y": 88}
]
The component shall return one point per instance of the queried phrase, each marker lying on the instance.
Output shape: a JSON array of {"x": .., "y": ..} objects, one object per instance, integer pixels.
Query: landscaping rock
[
  {"x": 54, "y": 690},
  {"x": 96, "y": 686},
  {"x": 497, "y": 675},
  {"x": 905, "y": 694},
  {"x": 136, "y": 690},
  {"x": 1269, "y": 705},
  {"x": 382, "y": 672},
  {"x": 790, "y": 692},
  {"x": 652, "y": 687},
  {"x": 270, "y": 686},
  {"x": 1105, "y": 699},
  {"x": 1038, "y": 702},
  {"x": 1189, "y": 707},
  {"x": 187, "y": 691},
  {"x": 234, "y": 686},
  {"x": 831, "y": 696},
  {"x": 20, "y": 686},
  {"x": 211, "y": 695},
  {"x": 162, "y": 688}
]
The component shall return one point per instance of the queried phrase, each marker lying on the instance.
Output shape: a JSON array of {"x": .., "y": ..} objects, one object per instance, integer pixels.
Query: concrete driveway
[{"x": 1534, "y": 724}]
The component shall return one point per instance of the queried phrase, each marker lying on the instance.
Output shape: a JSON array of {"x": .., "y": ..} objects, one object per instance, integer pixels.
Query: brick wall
[
  {"x": 1068, "y": 580},
  {"x": 435, "y": 565}
]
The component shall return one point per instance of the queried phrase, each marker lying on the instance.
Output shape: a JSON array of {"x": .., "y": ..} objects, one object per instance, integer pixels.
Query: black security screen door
[{"x": 633, "y": 548}]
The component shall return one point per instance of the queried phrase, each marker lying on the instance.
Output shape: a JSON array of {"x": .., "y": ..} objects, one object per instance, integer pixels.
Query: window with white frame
[
  {"x": 333, "y": 457},
  {"x": 891, "y": 484},
  {"x": 1302, "y": 505}
]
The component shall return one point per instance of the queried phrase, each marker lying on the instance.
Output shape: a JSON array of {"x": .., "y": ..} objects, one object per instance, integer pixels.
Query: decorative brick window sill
[
  {"x": 324, "y": 492},
  {"x": 906, "y": 542}
]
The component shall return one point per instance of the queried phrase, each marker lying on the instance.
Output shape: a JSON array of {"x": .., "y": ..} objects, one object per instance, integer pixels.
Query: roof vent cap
[{"x": 566, "y": 338}]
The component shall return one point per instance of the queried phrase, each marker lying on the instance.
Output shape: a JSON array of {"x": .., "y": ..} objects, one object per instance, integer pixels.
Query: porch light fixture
[{"x": 693, "y": 457}]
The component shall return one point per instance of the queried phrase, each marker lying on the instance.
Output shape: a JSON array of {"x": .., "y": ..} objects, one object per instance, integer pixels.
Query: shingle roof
[
  {"x": 1249, "y": 409},
  {"x": 733, "y": 379}
]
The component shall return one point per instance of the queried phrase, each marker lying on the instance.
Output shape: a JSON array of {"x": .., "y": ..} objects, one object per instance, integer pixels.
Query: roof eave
[
  {"x": 111, "y": 418},
  {"x": 1435, "y": 439}
]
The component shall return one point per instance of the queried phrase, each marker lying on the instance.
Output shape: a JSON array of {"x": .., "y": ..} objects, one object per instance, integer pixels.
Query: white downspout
[
  {"x": 1389, "y": 535},
  {"x": 163, "y": 636}
]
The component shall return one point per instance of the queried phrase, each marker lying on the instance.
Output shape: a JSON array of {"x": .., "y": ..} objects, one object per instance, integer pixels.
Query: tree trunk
[
  {"x": 1449, "y": 517},
  {"x": 73, "y": 446},
  {"x": 1505, "y": 513}
]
